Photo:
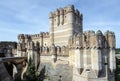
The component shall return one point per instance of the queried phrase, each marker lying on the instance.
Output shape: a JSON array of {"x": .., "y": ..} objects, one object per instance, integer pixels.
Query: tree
[{"x": 30, "y": 74}]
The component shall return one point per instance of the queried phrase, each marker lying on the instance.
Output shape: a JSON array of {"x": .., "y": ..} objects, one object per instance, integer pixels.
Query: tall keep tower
[{"x": 64, "y": 23}]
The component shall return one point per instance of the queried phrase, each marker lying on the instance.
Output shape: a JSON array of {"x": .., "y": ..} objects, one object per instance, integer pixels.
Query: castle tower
[
  {"x": 93, "y": 56},
  {"x": 21, "y": 38},
  {"x": 20, "y": 45},
  {"x": 64, "y": 22}
]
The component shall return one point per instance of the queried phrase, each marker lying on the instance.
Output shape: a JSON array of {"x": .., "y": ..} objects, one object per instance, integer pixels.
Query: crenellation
[
  {"x": 61, "y": 16},
  {"x": 56, "y": 17},
  {"x": 90, "y": 39},
  {"x": 80, "y": 16},
  {"x": 69, "y": 9},
  {"x": 42, "y": 34},
  {"x": 61, "y": 11},
  {"x": 56, "y": 13},
  {"x": 51, "y": 15},
  {"x": 45, "y": 34},
  {"x": 77, "y": 13},
  {"x": 21, "y": 36},
  {"x": 110, "y": 37}
]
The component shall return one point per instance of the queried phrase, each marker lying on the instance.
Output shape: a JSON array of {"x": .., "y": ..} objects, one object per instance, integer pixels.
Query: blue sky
[{"x": 31, "y": 16}]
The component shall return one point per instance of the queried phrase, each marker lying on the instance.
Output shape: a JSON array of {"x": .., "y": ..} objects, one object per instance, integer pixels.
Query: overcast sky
[{"x": 31, "y": 16}]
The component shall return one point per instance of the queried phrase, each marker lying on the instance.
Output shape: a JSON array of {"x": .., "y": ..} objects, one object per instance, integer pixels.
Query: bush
[
  {"x": 117, "y": 72},
  {"x": 117, "y": 51},
  {"x": 30, "y": 73}
]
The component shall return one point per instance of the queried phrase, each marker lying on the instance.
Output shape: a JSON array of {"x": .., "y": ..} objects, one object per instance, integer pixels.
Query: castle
[{"x": 88, "y": 56}]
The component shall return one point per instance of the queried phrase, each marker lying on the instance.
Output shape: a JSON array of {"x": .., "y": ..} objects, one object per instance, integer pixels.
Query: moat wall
[{"x": 59, "y": 71}]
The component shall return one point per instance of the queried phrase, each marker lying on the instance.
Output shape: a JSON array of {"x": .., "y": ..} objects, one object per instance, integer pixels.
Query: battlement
[
  {"x": 65, "y": 10},
  {"x": 59, "y": 51},
  {"x": 28, "y": 36},
  {"x": 61, "y": 15},
  {"x": 23, "y": 36},
  {"x": 64, "y": 22},
  {"x": 90, "y": 39},
  {"x": 41, "y": 34}
]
